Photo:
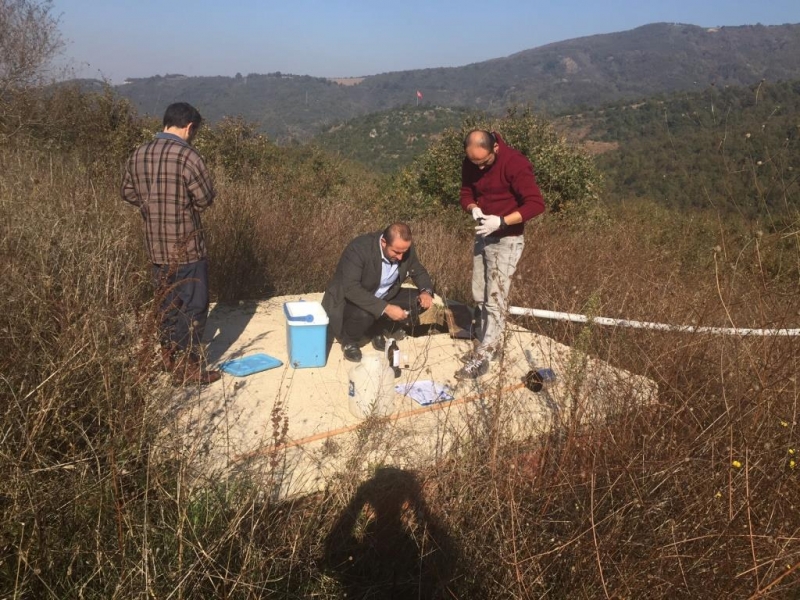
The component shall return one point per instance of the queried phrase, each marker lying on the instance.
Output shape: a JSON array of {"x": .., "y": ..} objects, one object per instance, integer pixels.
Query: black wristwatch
[{"x": 503, "y": 223}]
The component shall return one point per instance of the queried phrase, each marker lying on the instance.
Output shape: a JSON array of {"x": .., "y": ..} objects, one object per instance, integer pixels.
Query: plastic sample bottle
[{"x": 371, "y": 387}]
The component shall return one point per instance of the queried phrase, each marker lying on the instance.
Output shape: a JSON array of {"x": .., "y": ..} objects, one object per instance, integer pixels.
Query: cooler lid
[{"x": 305, "y": 313}]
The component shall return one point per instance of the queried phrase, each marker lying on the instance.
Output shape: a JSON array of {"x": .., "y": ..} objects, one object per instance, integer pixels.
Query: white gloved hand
[
  {"x": 491, "y": 223},
  {"x": 477, "y": 214}
]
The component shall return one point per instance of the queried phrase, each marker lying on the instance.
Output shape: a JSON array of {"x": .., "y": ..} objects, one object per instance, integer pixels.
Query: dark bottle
[{"x": 393, "y": 355}]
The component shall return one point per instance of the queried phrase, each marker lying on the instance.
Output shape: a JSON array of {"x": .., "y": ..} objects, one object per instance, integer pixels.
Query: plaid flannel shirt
[{"x": 170, "y": 184}]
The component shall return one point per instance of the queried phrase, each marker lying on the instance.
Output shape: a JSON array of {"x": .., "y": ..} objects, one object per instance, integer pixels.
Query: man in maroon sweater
[{"x": 499, "y": 189}]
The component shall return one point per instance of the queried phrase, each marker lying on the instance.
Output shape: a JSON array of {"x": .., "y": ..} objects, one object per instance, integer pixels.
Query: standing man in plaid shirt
[{"x": 167, "y": 180}]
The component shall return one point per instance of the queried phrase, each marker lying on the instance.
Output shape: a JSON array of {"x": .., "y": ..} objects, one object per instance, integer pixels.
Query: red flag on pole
[{"x": 419, "y": 95}]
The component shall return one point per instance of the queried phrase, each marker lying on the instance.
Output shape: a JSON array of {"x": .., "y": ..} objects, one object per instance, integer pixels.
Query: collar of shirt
[
  {"x": 389, "y": 273},
  {"x": 163, "y": 135}
]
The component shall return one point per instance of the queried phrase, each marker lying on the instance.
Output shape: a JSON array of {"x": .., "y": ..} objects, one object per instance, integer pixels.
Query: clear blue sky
[{"x": 138, "y": 38}]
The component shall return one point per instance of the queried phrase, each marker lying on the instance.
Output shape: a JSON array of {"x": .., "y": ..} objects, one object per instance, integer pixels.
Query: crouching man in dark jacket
[{"x": 365, "y": 294}]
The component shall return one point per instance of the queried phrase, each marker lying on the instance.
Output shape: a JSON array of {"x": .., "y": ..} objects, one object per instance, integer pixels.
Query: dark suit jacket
[{"x": 358, "y": 275}]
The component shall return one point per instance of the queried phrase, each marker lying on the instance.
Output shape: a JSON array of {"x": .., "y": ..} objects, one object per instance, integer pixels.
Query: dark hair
[
  {"x": 395, "y": 230},
  {"x": 180, "y": 114},
  {"x": 485, "y": 140}
]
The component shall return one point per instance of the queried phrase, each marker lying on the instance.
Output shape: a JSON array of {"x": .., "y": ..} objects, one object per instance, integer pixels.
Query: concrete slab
[{"x": 294, "y": 428}]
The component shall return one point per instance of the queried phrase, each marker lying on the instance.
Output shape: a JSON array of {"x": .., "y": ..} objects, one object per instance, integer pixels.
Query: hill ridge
[{"x": 586, "y": 71}]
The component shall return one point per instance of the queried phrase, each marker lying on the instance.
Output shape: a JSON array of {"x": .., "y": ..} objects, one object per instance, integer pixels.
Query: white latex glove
[
  {"x": 491, "y": 223},
  {"x": 477, "y": 214}
]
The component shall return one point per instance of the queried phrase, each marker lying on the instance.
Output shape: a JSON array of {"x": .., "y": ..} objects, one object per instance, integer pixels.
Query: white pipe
[{"x": 562, "y": 316}]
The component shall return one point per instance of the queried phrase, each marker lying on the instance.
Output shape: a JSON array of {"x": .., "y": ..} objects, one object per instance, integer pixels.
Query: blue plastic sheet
[{"x": 247, "y": 365}]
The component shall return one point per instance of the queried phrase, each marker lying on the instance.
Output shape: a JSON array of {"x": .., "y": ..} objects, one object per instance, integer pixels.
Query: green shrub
[
  {"x": 235, "y": 147},
  {"x": 99, "y": 126},
  {"x": 570, "y": 183}
]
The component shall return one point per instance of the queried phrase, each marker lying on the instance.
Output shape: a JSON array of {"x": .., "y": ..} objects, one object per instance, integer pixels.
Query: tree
[{"x": 29, "y": 40}]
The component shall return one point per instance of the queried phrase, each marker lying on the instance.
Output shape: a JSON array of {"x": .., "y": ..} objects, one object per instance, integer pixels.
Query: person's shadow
[
  {"x": 386, "y": 544},
  {"x": 225, "y": 323}
]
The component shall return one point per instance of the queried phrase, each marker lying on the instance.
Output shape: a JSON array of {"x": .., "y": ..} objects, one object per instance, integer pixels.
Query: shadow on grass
[{"x": 386, "y": 543}]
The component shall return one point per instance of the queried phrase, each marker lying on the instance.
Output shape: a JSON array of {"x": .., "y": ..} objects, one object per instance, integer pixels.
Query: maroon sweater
[{"x": 506, "y": 186}]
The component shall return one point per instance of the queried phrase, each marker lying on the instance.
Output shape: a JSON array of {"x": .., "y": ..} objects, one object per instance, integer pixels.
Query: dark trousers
[
  {"x": 182, "y": 294},
  {"x": 358, "y": 323}
]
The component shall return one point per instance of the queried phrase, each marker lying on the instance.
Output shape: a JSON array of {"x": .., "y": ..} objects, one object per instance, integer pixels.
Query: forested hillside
[
  {"x": 587, "y": 72},
  {"x": 702, "y": 149},
  {"x": 390, "y": 139},
  {"x": 736, "y": 149}
]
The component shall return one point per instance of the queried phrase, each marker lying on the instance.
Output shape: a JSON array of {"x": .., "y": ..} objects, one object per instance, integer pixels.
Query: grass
[{"x": 692, "y": 496}]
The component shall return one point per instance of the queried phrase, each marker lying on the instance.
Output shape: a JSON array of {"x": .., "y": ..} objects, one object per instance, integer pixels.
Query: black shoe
[
  {"x": 379, "y": 343},
  {"x": 352, "y": 352},
  {"x": 398, "y": 334}
]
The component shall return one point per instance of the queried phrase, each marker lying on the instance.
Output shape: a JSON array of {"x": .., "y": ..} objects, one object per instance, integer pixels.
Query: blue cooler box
[{"x": 306, "y": 334}]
